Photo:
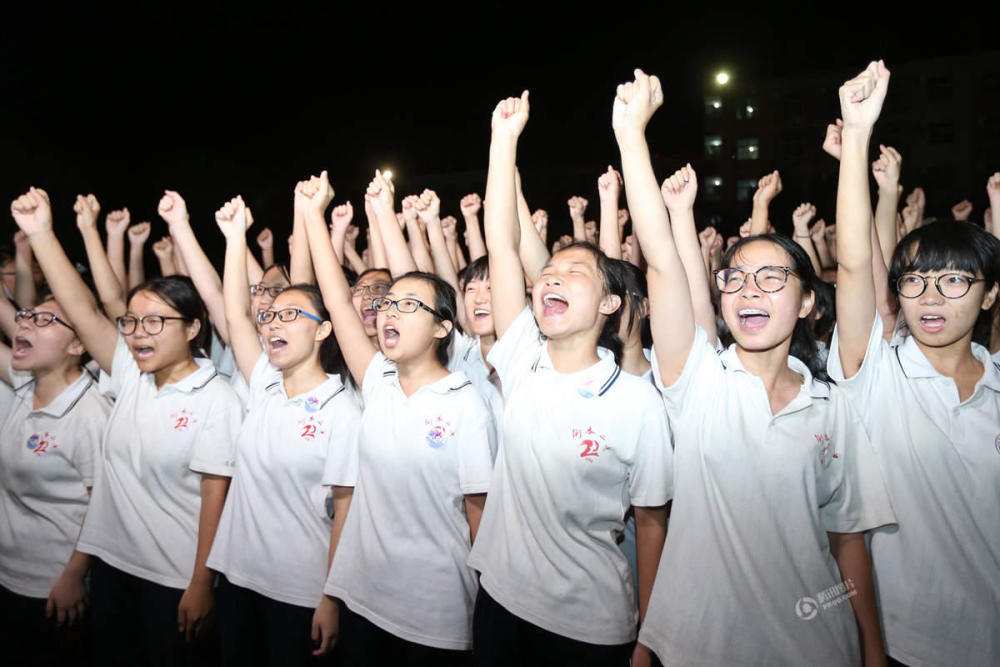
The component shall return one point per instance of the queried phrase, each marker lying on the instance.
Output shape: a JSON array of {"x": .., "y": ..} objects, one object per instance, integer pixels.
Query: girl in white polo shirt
[
  {"x": 165, "y": 462},
  {"x": 425, "y": 457},
  {"x": 582, "y": 442},
  {"x": 48, "y": 447},
  {"x": 776, "y": 481},
  {"x": 930, "y": 400},
  {"x": 276, "y": 537}
]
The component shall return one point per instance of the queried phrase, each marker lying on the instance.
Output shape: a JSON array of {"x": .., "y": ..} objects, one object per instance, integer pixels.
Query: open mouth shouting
[
  {"x": 22, "y": 347},
  {"x": 932, "y": 322},
  {"x": 554, "y": 304},
  {"x": 753, "y": 319},
  {"x": 368, "y": 315},
  {"x": 142, "y": 352},
  {"x": 276, "y": 343},
  {"x": 390, "y": 335}
]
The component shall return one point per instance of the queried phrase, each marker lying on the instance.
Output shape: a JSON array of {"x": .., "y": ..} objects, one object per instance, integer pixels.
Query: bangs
[
  {"x": 947, "y": 246},
  {"x": 477, "y": 270}
]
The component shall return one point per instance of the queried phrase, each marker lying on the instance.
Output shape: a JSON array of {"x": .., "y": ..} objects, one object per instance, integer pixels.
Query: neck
[
  {"x": 415, "y": 373},
  {"x": 952, "y": 360},
  {"x": 486, "y": 344},
  {"x": 50, "y": 383},
  {"x": 303, "y": 377},
  {"x": 633, "y": 358},
  {"x": 573, "y": 353},
  {"x": 771, "y": 365},
  {"x": 175, "y": 372}
]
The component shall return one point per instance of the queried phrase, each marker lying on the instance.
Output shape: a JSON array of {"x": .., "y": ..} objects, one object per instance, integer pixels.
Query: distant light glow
[
  {"x": 750, "y": 109},
  {"x": 722, "y": 78},
  {"x": 752, "y": 149},
  {"x": 716, "y": 105},
  {"x": 387, "y": 173},
  {"x": 717, "y": 181}
]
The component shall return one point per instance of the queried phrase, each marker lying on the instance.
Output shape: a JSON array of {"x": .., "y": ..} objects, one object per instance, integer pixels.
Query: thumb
[
  {"x": 181, "y": 619},
  {"x": 50, "y": 607},
  {"x": 524, "y": 100}
]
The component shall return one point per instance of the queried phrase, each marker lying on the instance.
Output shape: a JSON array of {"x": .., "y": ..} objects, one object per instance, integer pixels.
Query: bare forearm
[
  {"x": 301, "y": 268},
  {"x": 852, "y": 558},
  {"x": 24, "y": 280},
  {"x": 136, "y": 269},
  {"x": 213, "y": 497},
  {"x": 885, "y": 222},
  {"x": 116, "y": 258},
  {"x": 477, "y": 247}
]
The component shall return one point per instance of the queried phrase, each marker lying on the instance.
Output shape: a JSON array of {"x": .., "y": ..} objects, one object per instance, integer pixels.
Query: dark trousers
[
  {"x": 363, "y": 644},
  {"x": 501, "y": 639},
  {"x": 258, "y": 631},
  {"x": 28, "y": 638},
  {"x": 135, "y": 623}
]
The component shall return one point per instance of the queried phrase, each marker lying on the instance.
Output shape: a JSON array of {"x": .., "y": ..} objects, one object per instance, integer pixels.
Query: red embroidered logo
[
  {"x": 183, "y": 419},
  {"x": 41, "y": 443},
  {"x": 311, "y": 427},
  {"x": 827, "y": 451},
  {"x": 590, "y": 441}
]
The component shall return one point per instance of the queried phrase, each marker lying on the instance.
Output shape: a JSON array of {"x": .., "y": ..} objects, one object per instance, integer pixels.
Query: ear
[
  {"x": 192, "y": 329},
  {"x": 808, "y": 301},
  {"x": 323, "y": 331},
  {"x": 76, "y": 348},
  {"x": 443, "y": 327},
  {"x": 644, "y": 307},
  {"x": 610, "y": 304},
  {"x": 990, "y": 297}
]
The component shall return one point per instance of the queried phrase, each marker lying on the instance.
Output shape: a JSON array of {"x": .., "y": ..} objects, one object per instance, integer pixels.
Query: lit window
[
  {"x": 713, "y": 188},
  {"x": 713, "y": 146},
  {"x": 713, "y": 106},
  {"x": 747, "y": 149},
  {"x": 747, "y": 110}
]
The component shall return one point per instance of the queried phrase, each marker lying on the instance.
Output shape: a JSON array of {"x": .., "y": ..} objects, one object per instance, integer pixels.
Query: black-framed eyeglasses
[
  {"x": 767, "y": 278},
  {"x": 151, "y": 324},
  {"x": 374, "y": 290},
  {"x": 284, "y": 315},
  {"x": 949, "y": 285},
  {"x": 40, "y": 318},
  {"x": 271, "y": 290},
  {"x": 408, "y": 305}
]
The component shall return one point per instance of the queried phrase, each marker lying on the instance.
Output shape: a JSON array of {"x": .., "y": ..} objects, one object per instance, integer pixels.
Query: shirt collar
[
  {"x": 811, "y": 386},
  {"x": 69, "y": 397},
  {"x": 206, "y": 373},
  {"x": 312, "y": 400},
  {"x": 592, "y": 381},
  {"x": 915, "y": 364},
  {"x": 450, "y": 382}
]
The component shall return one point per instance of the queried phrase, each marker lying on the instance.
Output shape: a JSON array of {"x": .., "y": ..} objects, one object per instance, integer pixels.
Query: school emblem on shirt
[
  {"x": 182, "y": 419},
  {"x": 312, "y": 404},
  {"x": 590, "y": 443},
  {"x": 827, "y": 450},
  {"x": 310, "y": 428},
  {"x": 40, "y": 443},
  {"x": 439, "y": 430}
]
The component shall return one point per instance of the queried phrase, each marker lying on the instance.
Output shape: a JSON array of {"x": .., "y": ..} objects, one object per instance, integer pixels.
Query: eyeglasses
[
  {"x": 767, "y": 278},
  {"x": 284, "y": 315},
  {"x": 41, "y": 318},
  {"x": 375, "y": 290},
  {"x": 949, "y": 285},
  {"x": 383, "y": 304},
  {"x": 271, "y": 290},
  {"x": 151, "y": 324}
]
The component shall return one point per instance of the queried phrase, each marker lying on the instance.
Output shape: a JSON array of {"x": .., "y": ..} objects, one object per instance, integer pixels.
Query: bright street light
[{"x": 722, "y": 78}]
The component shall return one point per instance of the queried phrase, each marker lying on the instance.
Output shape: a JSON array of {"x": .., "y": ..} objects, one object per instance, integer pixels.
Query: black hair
[
  {"x": 330, "y": 357},
  {"x": 445, "y": 304},
  {"x": 373, "y": 270},
  {"x": 826, "y": 306},
  {"x": 180, "y": 294},
  {"x": 636, "y": 290},
  {"x": 961, "y": 246},
  {"x": 613, "y": 275},
  {"x": 803, "y": 345},
  {"x": 6, "y": 253},
  {"x": 280, "y": 267},
  {"x": 479, "y": 269},
  {"x": 49, "y": 296}
]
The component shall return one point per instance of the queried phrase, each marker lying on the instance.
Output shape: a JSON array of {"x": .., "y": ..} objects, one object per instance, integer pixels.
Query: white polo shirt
[
  {"x": 938, "y": 573},
  {"x": 466, "y": 356},
  {"x": 746, "y": 575},
  {"x": 401, "y": 560},
  {"x": 274, "y": 534},
  {"x": 578, "y": 450},
  {"x": 46, "y": 465},
  {"x": 143, "y": 515}
]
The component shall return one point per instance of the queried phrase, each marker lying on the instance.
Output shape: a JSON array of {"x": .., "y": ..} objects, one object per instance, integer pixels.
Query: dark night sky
[{"x": 217, "y": 100}]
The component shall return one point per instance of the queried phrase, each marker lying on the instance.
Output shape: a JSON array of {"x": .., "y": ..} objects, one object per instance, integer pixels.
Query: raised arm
[
  {"x": 679, "y": 192},
  {"x": 164, "y": 251},
  {"x": 376, "y": 247},
  {"x": 116, "y": 228},
  {"x": 817, "y": 234},
  {"x": 577, "y": 208},
  {"x": 137, "y": 236},
  {"x": 609, "y": 185},
  {"x": 429, "y": 214},
  {"x": 347, "y": 326},
  {"x": 8, "y": 324},
  {"x": 109, "y": 289},
  {"x": 33, "y": 214},
  {"x": 381, "y": 195},
  {"x": 300, "y": 268},
  {"x": 414, "y": 230},
  {"x": 173, "y": 209},
  {"x": 350, "y": 239},
  {"x": 671, "y": 309},
  {"x": 243, "y": 336},
  {"x": 861, "y": 101},
  {"x": 265, "y": 241},
  {"x": 25, "y": 290},
  {"x": 531, "y": 250},
  {"x": 801, "y": 217},
  {"x": 470, "y": 206},
  {"x": 768, "y": 187},
  {"x": 886, "y": 172}
]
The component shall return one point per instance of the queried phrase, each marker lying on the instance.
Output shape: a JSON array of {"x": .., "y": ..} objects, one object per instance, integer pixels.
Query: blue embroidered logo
[
  {"x": 33, "y": 442},
  {"x": 438, "y": 432},
  {"x": 312, "y": 404}
]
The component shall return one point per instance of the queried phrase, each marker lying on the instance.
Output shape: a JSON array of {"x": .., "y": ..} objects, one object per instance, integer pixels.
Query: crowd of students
[{"x": 429, "y": 454}]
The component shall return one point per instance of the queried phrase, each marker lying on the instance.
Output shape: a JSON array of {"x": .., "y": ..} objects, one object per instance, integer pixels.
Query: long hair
[
  {"x": 445, "y": 304},
  {"x": 179, "y": 293}
]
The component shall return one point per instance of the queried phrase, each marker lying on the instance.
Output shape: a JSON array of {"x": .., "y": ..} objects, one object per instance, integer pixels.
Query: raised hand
[
  {"x": 511, "y": 115},
  {"x": 315, "y": 194},
  {"x": 449, "y": 226},
  {"x": 590, "y": 231},
  {"x": 232, "y": 218},
  {"x": 886, "y": 168},
  {"x": 164, "y": 249},
  {"x": 87, "y": 208},
  {"x": 540, "y": 218},
  {"x": 609, "y": 185},
  {"x": 428, "y": 206},
  {"x": 911, "y": 218},
  {"x": 707, "y": 238},
  {"x": 818, "y": 231},
  {"x": 470, "y": 205},
  {"x": 138, "y": 233},
  {"x": 116, "y": 223},
  {"x": 172, "y": 208},
  {"x": 351, "y": 235},
  {"x": 862, "y": 97},
  {"x": 635, "y": 103},
  {"x": 834, "y": 137},
  {"x": 341, "y": 217},
  {"x": 409, "y": 205},
  {"x": 962, "y": 210},
  {"x": 680, "y": 189},
  {"x": 745, "y": 229},
  {"x": 768, "y": 187},
  {"x": 622, "y": 217},
  {"x": 32, "y": 211},
  {"x": 801, "y": 218},
  {"x": 380, "y": 195},
  {"x": 993, "y": 191},
  {"x": 577, "y": 207},
  {"x": 265, "y": 240}
]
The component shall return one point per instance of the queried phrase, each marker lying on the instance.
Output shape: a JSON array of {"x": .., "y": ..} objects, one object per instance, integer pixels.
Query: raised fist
[
  {"x": 834, "y": 138},
  {"x": 768, "y": 187},
  {"x": 680, "y": 189},
  {"x": 622, "y": 217},
  {"x": 341, "y": 217},
  {"x": 87, "y": 209},
  {"x": 139, "y": 232},
  {"x": 380, "y": 194},
  {"x": 470, "y": 205},
  {"x": 577, "y": 207},
  {"x": 962, "y": 210},
  {"x": 609, "y": 185},
  {"x": 862, "y": 97},
  {"x": 428, "y": 206},
  {"x": 32, "y": 211},
  {"x": 232, "y": 218},
  {"x": 164, "y": 248},
  {"x": 540, "y": 218},
  {"x": 590, "y": 231},
  {"x": 886, "y": 168},
  {"x": 635, "y": 103},
  {"x": 172, "y": 208},
  {"x": 511, "y": 115},
  {"x": 801, "y": 217},
  {"x": 449, "y": 225},
  {"x": 265, "y": 240}
]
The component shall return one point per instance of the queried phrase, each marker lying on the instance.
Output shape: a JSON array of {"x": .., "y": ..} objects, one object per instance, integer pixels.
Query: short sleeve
[
  {"x": 123, "y": 370},
  {"x": 341, "y": 467},
  {"x": 460, "y": 345},
  {"x": 651, "y": 471},
  {"x": 702, "y": 372},
  {"x": 478, "y": 445},
  {"x": 860, "y": 502},
  {"x": 373, "y": 375},
  {"x": 214, "y": 451},
  {"x": 262, "y": 376},
  {"x": 88, "y": 440},
  {"x": 866, "y": 380},
  {"x": 521, "y": 340},
  {"x": 18, "y": 378}
]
